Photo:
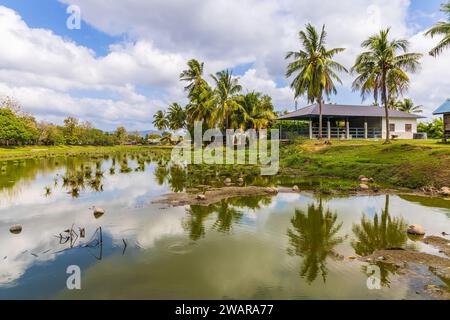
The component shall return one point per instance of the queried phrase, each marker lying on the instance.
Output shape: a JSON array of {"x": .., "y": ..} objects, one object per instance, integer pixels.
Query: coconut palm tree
[
  {"x": 407, "y": 105},
  {"x": 257, "y": 110},
  {"x": 200, "y": 106},
  {"x": 225, "y": 93},
  {"x": 176, "y": 117},
  {"x": 441, "y": 28},
  {"x": 381, "y": 70},
  {"x": 160, "y": 121},
  {"x": 193, "y": 75},
  {"x": 314, "y": 68}
]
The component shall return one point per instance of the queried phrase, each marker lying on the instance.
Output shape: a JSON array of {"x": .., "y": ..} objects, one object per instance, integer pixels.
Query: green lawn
[
  {"x": 7, "y": 153},
  {"x": 404, "y": 163}
]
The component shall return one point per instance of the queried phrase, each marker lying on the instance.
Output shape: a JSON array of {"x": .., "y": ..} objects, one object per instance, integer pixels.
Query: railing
[{"x": 335, "y": 133}]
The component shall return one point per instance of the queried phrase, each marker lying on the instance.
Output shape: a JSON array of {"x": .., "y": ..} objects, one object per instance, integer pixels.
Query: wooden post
[
  {"x": 366, "y": 134},
  {"x": 347, "y": 129},
  {"x": 329, "y": 129},
  {"x": 310, "y": 129}
]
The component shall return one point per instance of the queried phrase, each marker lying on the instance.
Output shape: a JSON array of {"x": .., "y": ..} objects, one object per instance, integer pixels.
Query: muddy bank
[{"x": 214, "y": 195}]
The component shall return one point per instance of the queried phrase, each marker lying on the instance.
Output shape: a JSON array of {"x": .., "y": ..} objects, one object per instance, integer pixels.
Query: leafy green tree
[
  {"x": 71, "y": 130},
  {"x": 226, "y": 90},
  {"x": 193, "y": 75},
  {"x": 381, "y": 70},
  {"x": 50, "y": 134},
  {"x": 121, "y": 134},
  {"x": 441, "y": 28},
  {"x": 314, "y": 68},
  {"x": 160, "y": 121},
  {"x": 176, "y": 117},
  {"x": 407, "y": 105},
  {"x": 434, "y": 129},
  {"x": 257, "y": 110}
]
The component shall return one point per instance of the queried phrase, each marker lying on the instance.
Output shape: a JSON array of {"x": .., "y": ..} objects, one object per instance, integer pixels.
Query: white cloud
[{"x": 141, "y": 74}]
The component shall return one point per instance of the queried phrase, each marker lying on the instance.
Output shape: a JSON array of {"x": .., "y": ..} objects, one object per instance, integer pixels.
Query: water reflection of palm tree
[
  {"x": 194, "y": 223},
  {"x": 226, "y": 215},
  {"x": 382, "y": 232},
  {"x": 177, "y": 178},
  {"x": 313, "y": 237},
  {"x": 161, "y": 174}
]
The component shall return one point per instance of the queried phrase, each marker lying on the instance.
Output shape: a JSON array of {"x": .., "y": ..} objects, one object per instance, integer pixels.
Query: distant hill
[{"x": 145, "y": 132}]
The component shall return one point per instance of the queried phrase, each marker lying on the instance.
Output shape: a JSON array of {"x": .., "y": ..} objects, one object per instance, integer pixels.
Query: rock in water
[
  {"x": 445, "y": 191},
  {"x": 416, "y": 229},
  {"x": 16, "y": 229},
  {"x": 98, "y": 212},
  {"x": 295, "y": 188},
  {"x": 200, "y": 197},
  {"x": 363, "y": 186},
  {"x": 227, "y": 181}
]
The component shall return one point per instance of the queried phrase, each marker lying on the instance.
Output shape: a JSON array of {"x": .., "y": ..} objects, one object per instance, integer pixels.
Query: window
[
  {"x": 392, "y": 127},
  {"x": 408, "y": 127}
]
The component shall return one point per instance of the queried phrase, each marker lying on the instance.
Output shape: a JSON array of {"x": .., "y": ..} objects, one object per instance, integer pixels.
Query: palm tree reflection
[
  {"x": 313, "y": 237},
  {"x": 227, "y": 214},
  {"x": 382, "y": 232}
]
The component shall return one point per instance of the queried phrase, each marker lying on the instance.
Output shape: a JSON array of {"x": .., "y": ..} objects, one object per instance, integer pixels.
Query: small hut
[{"x": 444, "y": 109}]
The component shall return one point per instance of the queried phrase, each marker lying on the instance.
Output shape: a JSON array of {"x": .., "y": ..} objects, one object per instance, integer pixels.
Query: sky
[{"x": 123, "y": 64}]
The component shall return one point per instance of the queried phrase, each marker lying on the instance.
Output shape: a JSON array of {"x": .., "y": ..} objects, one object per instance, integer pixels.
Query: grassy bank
[
  {"x": 8, "y": 153},
  {"x": 405, "y": 163}
]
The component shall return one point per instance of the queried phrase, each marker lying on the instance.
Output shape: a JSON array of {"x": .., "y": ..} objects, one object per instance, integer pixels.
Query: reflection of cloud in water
[{"x": 42, "y": 218}]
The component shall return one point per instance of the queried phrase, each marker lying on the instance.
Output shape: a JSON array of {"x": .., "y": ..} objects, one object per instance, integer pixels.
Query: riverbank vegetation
[{"x": 410, "y": 163}]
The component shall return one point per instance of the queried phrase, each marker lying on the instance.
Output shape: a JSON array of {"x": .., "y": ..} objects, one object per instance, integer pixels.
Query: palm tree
[
  {"x": 407, "y": 105},
  {"x": 441, "y": 28},
  {"x": 201, "y": 106},
  {"x": 176, "y": 117},
  {"x": 314, "y": 68},
  {"x": 382, "y": 71},
  {"x": 193, "y": 76},
  {"x": 257, "y": 110},
  {"x": 227, "y": 88},
  {"x": 160, "y": 120}
]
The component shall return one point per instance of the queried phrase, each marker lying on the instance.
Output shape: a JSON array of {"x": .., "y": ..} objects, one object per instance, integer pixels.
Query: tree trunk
[
  {"x": 386, "y": 108},
  {"x": 320, "y": 119}
]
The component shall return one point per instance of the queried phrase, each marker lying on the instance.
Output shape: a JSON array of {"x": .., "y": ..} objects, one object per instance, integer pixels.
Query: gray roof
[
  {"x": 344, "y": 111},
  {"x": 444, "y": 108}
]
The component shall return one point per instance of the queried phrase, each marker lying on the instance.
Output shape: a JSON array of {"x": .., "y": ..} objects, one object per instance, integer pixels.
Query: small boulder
[
  {"x": 272, "y": 190},
  {"x": 227, "y": 181},
  {"x": 15, "y": 229},
  {"x": 98, "y": 212},
  {"x": 365, "y": 180},
  {"x": 361, "y": 177},
  {"x": 363, "y": 186},
  {"x": 445, "y": 191},
  {"x": 240, "y": 180},
  {"x": 295, "y": 188},
  {"x": 200, "y": 197},
  {"x": 416, "y": 229}
]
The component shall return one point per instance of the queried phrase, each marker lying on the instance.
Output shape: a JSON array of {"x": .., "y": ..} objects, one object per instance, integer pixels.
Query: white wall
[{"x": 400, "y": 127}]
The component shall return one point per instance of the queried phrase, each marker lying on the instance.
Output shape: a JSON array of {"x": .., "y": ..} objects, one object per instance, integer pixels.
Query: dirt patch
[
  {"x": 440, "y": 266},
  {"x": 214, "y": 195},
  {"x": 442, "y": 244}
]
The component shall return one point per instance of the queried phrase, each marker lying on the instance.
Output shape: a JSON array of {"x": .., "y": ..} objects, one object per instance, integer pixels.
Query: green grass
[
  {"x": 8, "y": 153},
  {"x": 404, "y": 163}
]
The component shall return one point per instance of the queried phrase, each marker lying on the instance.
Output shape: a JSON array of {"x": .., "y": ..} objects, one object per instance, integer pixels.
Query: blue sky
[{"x": 143, "y": 40}]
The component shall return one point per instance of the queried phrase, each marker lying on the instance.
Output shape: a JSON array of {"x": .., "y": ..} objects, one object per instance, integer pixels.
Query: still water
[{"x": 289, "y": 246}]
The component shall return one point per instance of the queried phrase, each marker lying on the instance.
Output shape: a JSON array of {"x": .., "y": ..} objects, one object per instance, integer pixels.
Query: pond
[{"x": 288, "y": 246}]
